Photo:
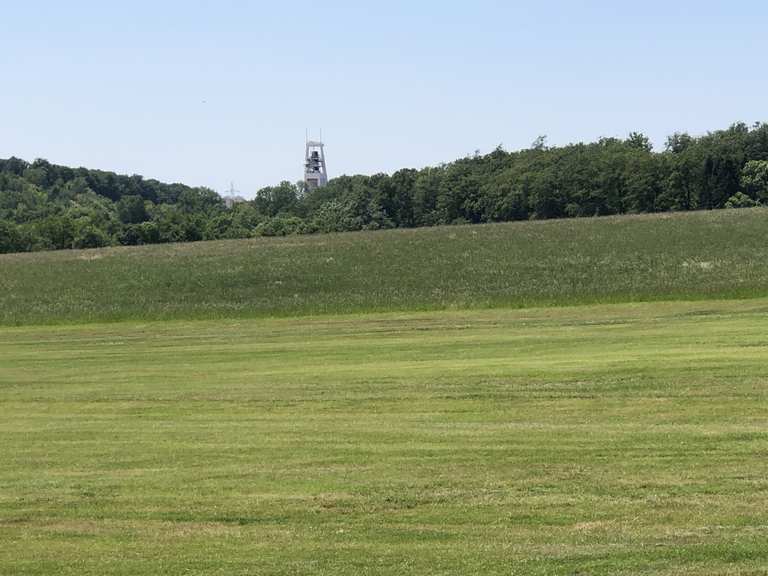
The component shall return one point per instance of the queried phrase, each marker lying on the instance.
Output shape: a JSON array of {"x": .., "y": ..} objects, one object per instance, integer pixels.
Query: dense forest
[{"x": 45, "y": 207}]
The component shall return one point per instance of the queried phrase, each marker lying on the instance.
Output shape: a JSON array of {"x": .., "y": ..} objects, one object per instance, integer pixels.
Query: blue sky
[{"x": 206, "y": 92}]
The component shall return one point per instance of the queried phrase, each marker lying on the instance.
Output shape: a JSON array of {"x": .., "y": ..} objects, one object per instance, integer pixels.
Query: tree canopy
[{"x": 44, "y": 206}]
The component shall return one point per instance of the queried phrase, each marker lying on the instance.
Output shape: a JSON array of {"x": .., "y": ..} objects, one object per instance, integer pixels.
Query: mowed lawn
[{"x": 623, "y": 439}]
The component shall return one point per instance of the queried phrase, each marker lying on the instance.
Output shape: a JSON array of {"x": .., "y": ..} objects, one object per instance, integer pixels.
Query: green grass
[
  {"x": 692, "y": 256},
  {"x": 385, "y": 403},
  {"x": 621, "y": 439}
]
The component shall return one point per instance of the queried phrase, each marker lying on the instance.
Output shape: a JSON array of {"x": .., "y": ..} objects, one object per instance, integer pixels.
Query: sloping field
[
  {"x": 691, "y": 256},
  {"x": 415, "y": 420},
  {"x": 623, "y": 439}
]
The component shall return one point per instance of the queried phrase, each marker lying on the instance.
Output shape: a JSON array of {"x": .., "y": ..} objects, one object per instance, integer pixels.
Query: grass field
[
  {"x": 548, "y": 398},
  {"x": 619, "y": 439},
  {"x": 692, "y": 256}
]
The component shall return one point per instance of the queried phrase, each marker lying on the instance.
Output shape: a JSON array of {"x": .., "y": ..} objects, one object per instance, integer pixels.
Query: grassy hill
[
  {"x": 588, "y": 439},
  {"x": 685, "y": 256}
]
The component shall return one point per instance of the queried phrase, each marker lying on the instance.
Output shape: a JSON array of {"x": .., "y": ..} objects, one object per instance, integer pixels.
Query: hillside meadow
[
  {"x": 548, "y": 398},
  {"x": 684, "y": 256}
]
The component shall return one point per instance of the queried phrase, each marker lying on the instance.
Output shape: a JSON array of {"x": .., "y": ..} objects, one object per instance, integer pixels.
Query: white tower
[{"x": 315, "y": 175}]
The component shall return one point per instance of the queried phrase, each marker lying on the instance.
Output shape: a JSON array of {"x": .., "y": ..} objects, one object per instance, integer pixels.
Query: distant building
[
  {"x": 315, "y": 174},
  {"x": 232, "y": 197},
  {"x": 230, "y": 201}
]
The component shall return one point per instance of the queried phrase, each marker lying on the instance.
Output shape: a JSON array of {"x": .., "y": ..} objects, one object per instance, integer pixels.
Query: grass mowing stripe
[{"x": 624, "y": 439}]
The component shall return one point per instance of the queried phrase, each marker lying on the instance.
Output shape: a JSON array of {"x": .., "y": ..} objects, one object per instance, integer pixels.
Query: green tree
[
  {"x": 132, "y": 210},
  {"x": 740, "y": 200},
  {"x": 89, "y": 235},
  {"x": 10, "y": 238},
  {"x": 57, "y": 232},
  {"x": 754, "y": 180},
  {"x": 274, "y": 200}
]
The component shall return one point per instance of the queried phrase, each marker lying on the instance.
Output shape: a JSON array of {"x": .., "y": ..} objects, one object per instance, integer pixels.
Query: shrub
[{"x": 741, "y": 200}]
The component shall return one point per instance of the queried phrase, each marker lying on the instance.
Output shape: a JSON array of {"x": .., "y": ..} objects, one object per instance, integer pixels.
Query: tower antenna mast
[{"x": 315, "y": 173}]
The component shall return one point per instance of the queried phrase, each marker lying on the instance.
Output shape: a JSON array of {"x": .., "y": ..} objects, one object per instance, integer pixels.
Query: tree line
[{"x": 46, "y": 207}]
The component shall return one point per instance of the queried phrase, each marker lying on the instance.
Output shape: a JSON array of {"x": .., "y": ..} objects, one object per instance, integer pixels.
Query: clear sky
[{"x": 208, "y": 92}]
